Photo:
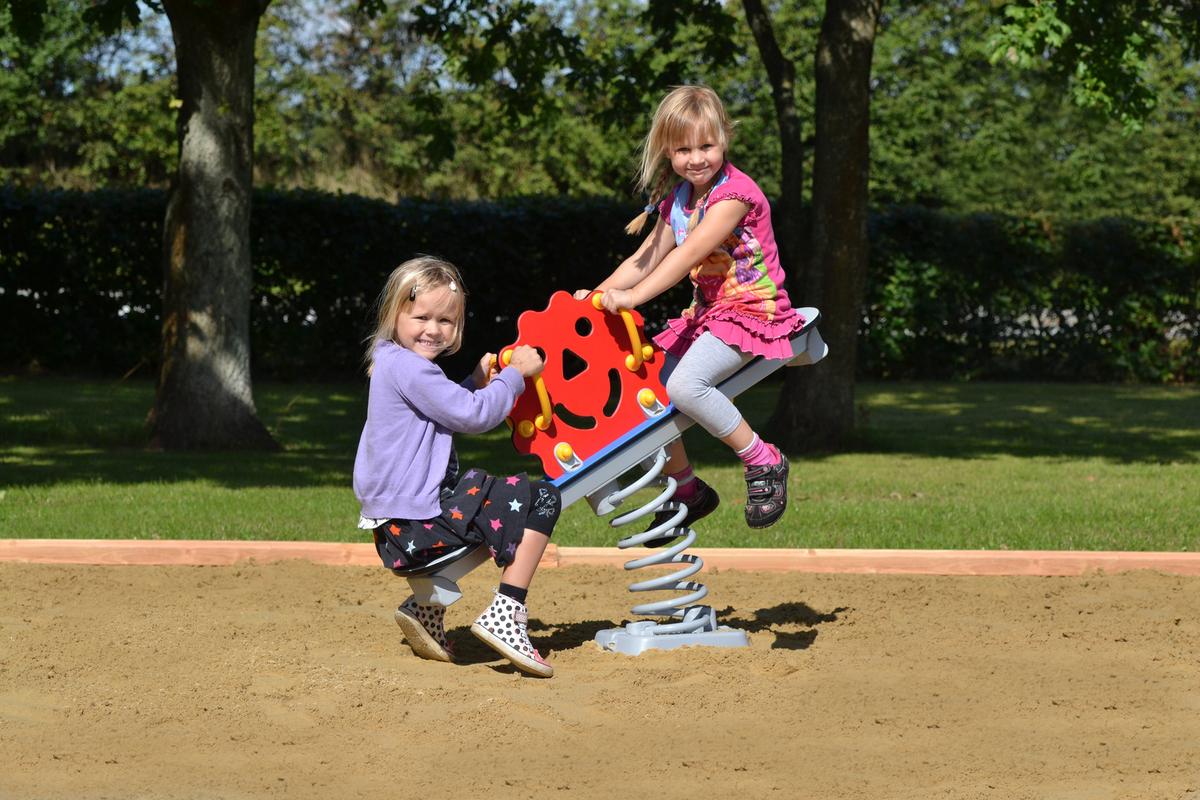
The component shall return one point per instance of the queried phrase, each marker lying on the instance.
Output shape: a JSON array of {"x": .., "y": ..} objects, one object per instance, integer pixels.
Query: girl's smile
[
  {"x": 427, "y": 327},
  {"x": 698, "y": 160}
]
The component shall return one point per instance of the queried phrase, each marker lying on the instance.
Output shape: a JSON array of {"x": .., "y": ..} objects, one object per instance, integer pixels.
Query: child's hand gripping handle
[
  {"x": 639, "y": 351},
  {"x": 527, "y": 361}
]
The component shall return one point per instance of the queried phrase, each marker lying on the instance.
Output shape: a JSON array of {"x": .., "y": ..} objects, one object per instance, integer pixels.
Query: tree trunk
[
  {"x": 815, "y": 410},
  {"x": 204, "y": 398},
  {"x": 787, "y": 218}
]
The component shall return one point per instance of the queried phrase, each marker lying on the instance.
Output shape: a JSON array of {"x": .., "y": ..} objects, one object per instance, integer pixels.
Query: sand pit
[{"x": 291, "y": 679}]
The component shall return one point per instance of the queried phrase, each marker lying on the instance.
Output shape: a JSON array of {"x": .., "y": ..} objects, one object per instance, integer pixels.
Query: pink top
[{"x": 739, "y": 296}]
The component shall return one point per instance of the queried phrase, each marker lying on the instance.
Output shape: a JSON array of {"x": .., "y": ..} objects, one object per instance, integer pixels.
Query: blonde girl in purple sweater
[{"x": 414, "y": 498}]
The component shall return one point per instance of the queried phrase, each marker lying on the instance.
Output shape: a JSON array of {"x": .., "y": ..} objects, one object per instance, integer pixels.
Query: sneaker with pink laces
[
  {"x": 766, "y": 493},
  {"x": 424, "y": 630},
  {"x": 504, "y": 627}
]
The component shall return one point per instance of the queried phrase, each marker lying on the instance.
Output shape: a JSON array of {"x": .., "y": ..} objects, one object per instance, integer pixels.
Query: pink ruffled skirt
[{"x": 749, "y": 334}]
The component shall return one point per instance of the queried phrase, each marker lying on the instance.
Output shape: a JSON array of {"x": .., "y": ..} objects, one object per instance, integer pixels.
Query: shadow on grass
[
  {"x": 1122, "y": 424},
  {"x": 55, "y": 430}
]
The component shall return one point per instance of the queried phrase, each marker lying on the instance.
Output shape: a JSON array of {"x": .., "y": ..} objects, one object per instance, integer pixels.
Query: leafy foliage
[
  {"x": 962, "y": 296},
  {"x": 364, "y": 104},
  {"x": 1103, "y": 46}
]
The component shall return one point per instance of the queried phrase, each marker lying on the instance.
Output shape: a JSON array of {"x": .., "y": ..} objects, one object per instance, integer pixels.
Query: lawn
[{"x": 936, "y": 465}]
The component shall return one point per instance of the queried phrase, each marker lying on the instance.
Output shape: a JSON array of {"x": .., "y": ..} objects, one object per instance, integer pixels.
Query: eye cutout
[
  {"x": 572, "y": 364},
  {"x": 583, "y": 326}
]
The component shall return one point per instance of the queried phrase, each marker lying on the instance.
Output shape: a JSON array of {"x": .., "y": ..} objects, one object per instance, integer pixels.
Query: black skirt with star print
[{"x": 481, "y": 508}]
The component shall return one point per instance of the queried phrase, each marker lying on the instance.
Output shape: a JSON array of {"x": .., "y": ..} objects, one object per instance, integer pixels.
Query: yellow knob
[
  {"x": 525, "y": 428},
  {"x": 563, "y": 451},
  {"x": 647, "y": 398},
  {"x": 506, "y": 357}
]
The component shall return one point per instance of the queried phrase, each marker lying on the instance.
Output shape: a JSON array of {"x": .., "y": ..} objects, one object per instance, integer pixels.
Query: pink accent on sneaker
[
  {"x": 686, "y": 485},
  {"x": 504, "y": 626},
  {"x": 758, "y": 453}
]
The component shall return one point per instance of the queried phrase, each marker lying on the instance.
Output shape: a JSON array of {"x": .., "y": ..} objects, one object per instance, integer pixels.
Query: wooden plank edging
[{"x": 114, "y": 552}]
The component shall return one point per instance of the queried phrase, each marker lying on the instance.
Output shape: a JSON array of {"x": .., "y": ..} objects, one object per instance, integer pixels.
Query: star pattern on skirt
[
  {"x": 497, "y": 524},
  {"x": 474, "y": 490},
  {"x": 428, "y": 526},
  {"x": 412, "y": 545},
  {"x": 512, "y": 480},
  {"x": 394, "y": 528},
  {"x": 515, "y": 505},
  {"x": 456, "y": 513},
  {"x": 471, "y": 473}
]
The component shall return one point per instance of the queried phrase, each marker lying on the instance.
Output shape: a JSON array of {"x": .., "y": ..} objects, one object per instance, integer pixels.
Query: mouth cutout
[
  {"x": 581, "y": 421},
  {"x": 589, "y": 394},
  {"x": 573, "y": 365}
]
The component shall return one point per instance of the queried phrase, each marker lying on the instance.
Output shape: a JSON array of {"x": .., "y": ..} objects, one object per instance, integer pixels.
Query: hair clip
[
  {"x": 453, "y": 286},
  {"x": 412, "y": 295},
  {"x": 649, "y": 209}
]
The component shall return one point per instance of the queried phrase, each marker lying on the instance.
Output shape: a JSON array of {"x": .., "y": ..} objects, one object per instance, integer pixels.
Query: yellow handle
[
  {"x": 542, "y": 421},
  {"x": 639, "y": 351}
]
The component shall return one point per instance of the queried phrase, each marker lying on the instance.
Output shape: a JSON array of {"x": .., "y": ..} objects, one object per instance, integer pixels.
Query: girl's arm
[
  {"x": 719, "y": 221},
  {"x": 423, "y": 384},
  {"x": 653, "y": 250}
]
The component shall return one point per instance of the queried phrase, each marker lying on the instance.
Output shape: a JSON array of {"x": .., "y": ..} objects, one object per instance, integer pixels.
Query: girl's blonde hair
[
  {"x": 683, "y": 111},
  {"x": 417, "y": 275}
]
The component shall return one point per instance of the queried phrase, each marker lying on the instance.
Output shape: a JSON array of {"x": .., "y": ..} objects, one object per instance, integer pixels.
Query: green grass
[{"x": 937, "y": 465}]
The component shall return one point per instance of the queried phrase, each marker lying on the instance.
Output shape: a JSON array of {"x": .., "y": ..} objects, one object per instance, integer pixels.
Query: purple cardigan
[{"x": 413, "y": 411}]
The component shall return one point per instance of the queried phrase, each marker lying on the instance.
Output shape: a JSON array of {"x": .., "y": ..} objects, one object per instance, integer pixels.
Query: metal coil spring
[{"x": 692, "y": 618}]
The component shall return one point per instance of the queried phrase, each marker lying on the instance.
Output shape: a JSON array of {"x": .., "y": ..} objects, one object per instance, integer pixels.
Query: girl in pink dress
[{"x": 714, "y": 226}]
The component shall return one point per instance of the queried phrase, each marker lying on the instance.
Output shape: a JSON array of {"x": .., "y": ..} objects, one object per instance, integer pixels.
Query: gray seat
[{"x": 436, "y": 583}]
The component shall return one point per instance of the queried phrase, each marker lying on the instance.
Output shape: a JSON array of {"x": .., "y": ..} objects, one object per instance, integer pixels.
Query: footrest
[{"x": 638, "y": 637}]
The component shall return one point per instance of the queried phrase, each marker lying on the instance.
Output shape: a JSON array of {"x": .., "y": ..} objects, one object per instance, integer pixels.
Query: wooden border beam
[{"x": 135, "y": 552}]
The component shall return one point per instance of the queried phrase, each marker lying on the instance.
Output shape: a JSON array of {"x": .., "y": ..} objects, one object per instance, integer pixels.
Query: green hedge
[
  {"x": 955, "y": 296},
  {"x": 948, "y": 296}
]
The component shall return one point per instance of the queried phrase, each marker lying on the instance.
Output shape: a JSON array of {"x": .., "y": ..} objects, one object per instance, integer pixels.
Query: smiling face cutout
[{"x": 592, "y": 392}]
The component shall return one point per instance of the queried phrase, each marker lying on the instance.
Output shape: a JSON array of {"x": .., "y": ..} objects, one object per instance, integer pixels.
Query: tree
[
  {"x": 1099, "y": 48},
  {"x": 816, "y": 406},
  {"x": 203, "y": 398}
]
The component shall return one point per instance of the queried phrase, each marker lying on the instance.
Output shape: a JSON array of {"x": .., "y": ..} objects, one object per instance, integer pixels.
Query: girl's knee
[
  {"x": 545, "y": 506},
  {"x": 685, "y": 390}
]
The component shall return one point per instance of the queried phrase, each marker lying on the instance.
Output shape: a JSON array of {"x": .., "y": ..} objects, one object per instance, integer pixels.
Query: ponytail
[{"x": 636, "y": 224}]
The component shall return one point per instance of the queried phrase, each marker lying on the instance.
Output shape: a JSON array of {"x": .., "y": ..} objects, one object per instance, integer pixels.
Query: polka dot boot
[
  {"x": 504, "y": 628},
  {"x": 424, "y": 630}
]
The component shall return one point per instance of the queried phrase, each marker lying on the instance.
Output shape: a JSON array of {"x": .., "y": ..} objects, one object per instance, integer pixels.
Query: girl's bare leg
[
  {"x": 739, "y": 439},
  {"x": 677, "y": 460},
  {"x": 529, "y": 552}
]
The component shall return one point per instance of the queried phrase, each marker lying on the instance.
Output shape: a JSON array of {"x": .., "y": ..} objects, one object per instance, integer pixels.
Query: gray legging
[{"x": 692, "y": 381}]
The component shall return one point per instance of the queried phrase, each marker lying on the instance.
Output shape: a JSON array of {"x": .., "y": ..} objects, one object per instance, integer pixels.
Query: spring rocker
[{"x": 597, "y": 412}]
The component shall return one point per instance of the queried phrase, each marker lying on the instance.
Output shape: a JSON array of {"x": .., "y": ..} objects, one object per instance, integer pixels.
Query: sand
[{"x": 292, "y": 680}]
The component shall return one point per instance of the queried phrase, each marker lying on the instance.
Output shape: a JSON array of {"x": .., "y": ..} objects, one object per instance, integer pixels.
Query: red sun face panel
[{"x": 593, "y": 394}]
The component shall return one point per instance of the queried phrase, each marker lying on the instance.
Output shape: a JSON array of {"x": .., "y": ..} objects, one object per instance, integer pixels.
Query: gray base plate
[{"x": 634, "y": 639}]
